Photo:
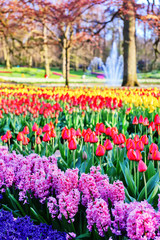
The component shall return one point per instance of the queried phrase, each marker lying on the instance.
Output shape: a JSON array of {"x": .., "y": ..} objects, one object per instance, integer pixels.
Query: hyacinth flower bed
[
  {"x": 23, "y": 229},
  {"x": 84, "y": 161}
]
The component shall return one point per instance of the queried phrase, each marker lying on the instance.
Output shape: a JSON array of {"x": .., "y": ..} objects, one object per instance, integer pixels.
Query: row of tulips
[
  {"x": 85, "y": 206},
  {"x": 116, "y": 154}
]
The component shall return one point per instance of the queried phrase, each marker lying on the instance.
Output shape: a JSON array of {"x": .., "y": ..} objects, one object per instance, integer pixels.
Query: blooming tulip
[
  {"x": 157, "y": 119},
  {"x": 20, "y": 136},
  {"x": 144, "y": 139},
  {"x": 35, "y": 127},
  {"x": 26, "y": 130},
  {"x": 100, "y": 151},
  {"x": 108, "y": 145},
  {"x": 153, "y": 147},
  {"x": 39, "y": 132},
  {"x": 156, "y": 155},
  {"x": 142, "y": 166},
  {"x": 38, "y": 140},
  {"x": 135, "y": 121},
  {"x": 141, "y": 120},
  {"x": 72, "y": 145},
  {"x": 46, "y": 137}
]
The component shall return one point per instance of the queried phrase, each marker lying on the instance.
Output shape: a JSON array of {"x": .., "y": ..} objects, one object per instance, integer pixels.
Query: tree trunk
[
  {"x": 45, "y": 47},
  {"x": 6, "y": 54},
  {"x": 129, "y": 45},
  {"x": 64, "y": 62},
  {"x": 67, "y": 51},
  {"x": 77, "y": 63},
  {"x": 30, "y": 61}
]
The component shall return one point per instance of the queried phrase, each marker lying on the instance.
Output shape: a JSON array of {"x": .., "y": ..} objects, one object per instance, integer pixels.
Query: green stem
[
  {"x": 21, "y": 145},
  {"x": 138, "y": 181},
  {"x": 35, "y": 134},
  {"x": 145, "y": 185},
  {"x": 74, "y": 159},
  {"x": 131, "y": 166},
  {"x": 93, "y": 154},
  {"x": 135, "y": 175}
]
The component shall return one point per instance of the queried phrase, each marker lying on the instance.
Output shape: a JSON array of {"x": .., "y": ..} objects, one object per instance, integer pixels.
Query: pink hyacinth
[
  {"x": 116, "y": 192},
  {"x": 142, "y": 222},
  {"x": 98, "y": 214},
  {"x": 68, "y": 204},
  {"x": 52, "y": 206},
  {"x": 87, "y": 186}
]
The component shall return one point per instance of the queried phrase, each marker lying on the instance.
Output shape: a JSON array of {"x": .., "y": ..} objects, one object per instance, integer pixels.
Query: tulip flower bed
[{"x": 105, "y": 181}]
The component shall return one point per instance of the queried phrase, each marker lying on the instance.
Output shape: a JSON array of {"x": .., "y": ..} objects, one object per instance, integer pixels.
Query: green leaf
[
  {"x": 128, "y": 197},
  {"x": 82, "y": 236},
  {"x": 61, "y": 149},
  {"x": 130, "y": 183},
  {"x": 18, "y": 204},
  {"x": 38, "y": 216},
  {"x": 150, "y": 170},
  {"x": 153, "y": 193},
  {"x": 150, "y": 186}
]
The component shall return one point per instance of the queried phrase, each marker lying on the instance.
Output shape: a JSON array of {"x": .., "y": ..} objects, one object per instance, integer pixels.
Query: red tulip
[
  {"x": 145, "y": 122},
  {"x": 72, "y": 132},
  {"x": 108, "y": 131},
  {"x": 139, "y": 145},
  {"x": 142, "y": 166},
  {"x": 46, "y": 137},
  {"x": 39, "y": 132},
  {"x": 152, "y": 126},
  {"x": 156, "y": 155},
  {"x": 78, "y": 132},
  {"x": 87, "y": 137},
  {"x": 93, "y": 138},
  {"x": 51, "y": 125},
  {"x": 135, "y": 121},
  {"x": 116, "y": 140},
  {"x": 136, "y": 138},
  {"x": 46, "y": 128},
  {"x": 144, "y": 139},
  {"x": 141, "y": 120},
  {"x": 131, "y": 154},
  {"x": 83, "y": 132},
  {"x": 108, "y": 145},
  {"x": 128, "y": 111},
  {"x": 122, "y": 138},
  {"x": 130, "y": 144},
  {"x": 20, "y": 136},
  {"x": 66, "y": 133},
  {"x": 4, "y": 138},
  {"x": 25, "y": 140},
  {"x": 38, "y": 140},
  {"x": 101, "y": 128},
  {"x": 100, "y": 151},
  {"x": 8, "y": 134},
  {"x": 35, "y": 127},
  {"x": 52, "y": 133},
  {"x": 157, "y": 119},
  {"x": 153, "y": 147},
  {"x": 114, "y": 131},
  {"x": 139, "y": 155},
  {"x": 72, "y": 145},
  {"x": 26, "y": 130}
]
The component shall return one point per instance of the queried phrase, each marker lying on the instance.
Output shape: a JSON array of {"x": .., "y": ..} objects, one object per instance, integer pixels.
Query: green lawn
[
  {"x": 153, "y": 75},
  {"x": 39, "y": 73},
  {"x": 25, "y": 72}
]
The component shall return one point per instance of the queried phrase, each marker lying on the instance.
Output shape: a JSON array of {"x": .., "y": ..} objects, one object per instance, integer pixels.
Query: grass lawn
[
  {"x": 30, "y": 73},
  {"x": 39, "y": 73},
  {"x": 150, "y": 75}
]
